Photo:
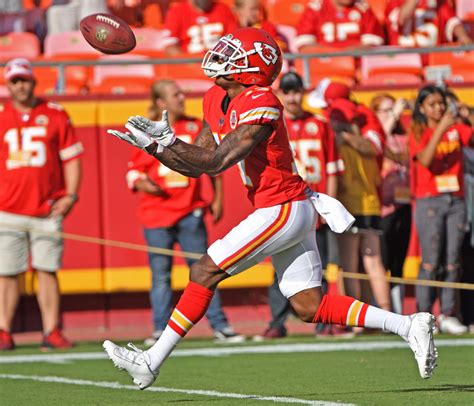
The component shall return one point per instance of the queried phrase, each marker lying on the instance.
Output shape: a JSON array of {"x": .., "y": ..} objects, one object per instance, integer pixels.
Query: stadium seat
[
  {"x": 388, "y": 64},
  {"x": 194, "y": 85},
  {"x": 44, "y": 4},
  {"x": 19, "y": 44},
  {"x": 68, "y": 43},
  {"x": 126, "y": 75},
  {"x": 392, "y": 79},
  {"x": 285, "y": 12},
  {"x": 460, "y": 63},
  {"x": 149, "y": 42},
  {"x": 116, "y": 86},
  {"x": 378, "y": 8},
  {"x": 341, "y": 68},
  {"x": 464, "y": 9},
  {"x": 152, "y": 16}
]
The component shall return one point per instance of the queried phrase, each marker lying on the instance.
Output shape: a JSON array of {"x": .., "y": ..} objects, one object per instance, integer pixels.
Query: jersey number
[
  {"x": 204, "y": 37},
  {"x": 306, "y": 151},
  {"x": 23, "y": 149},
  {"x": 338, "y": 32}
]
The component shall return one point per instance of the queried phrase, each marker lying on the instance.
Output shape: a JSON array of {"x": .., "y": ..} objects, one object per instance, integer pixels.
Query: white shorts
[
  {"x": 15, "y": 245},
  {"x": 286, "y": 233}
]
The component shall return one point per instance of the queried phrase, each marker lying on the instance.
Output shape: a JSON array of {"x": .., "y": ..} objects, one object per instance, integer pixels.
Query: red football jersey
[
  {"x": 195, "y": 31},
  {"x": 183, "y": 194},
  {"x": 433, "y": 24},
  {"x": 269, "y": 171},
  {"x": 33, "y": 149},
  {"x": 322, "y": 23},
  {"x": 445, "y": 174},
  {"x": 315, "y": 150}
]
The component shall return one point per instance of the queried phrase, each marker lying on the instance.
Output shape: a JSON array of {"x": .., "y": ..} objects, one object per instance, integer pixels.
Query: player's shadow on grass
[{"x": 439, "y": 388}]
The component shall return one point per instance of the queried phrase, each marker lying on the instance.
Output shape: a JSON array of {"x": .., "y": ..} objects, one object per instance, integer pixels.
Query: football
[{"x": 107, "y": 33}]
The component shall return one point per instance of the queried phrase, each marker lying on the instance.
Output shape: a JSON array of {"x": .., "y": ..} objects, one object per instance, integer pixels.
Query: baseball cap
[
  {"x": 326, "y": 92},
  {"x": 343, "y": 110},
  {"x": 18, "y": 67},
  {"x": 291, "y": 81}
]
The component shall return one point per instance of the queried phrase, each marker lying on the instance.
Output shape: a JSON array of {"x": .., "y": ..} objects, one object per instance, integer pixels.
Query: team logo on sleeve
[
  {"x": 233, "y": 119},
  {"x": 42, "y": 120},
  {"x": 191, "y": 127},
  {"x": 268, "y": 54}
]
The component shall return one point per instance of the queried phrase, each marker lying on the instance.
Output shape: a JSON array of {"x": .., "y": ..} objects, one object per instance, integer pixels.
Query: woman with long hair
[{"x": 436, "y": 143}]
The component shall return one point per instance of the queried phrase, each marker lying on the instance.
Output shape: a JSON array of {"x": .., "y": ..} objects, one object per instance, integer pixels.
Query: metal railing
[{"x": 306, "y": 57}]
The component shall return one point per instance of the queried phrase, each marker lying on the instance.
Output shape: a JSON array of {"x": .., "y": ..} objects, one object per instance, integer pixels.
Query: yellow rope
[{"x": 192, "y": 255}]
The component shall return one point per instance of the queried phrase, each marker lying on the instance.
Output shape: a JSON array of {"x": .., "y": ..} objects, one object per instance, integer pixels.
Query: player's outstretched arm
[{"x": 235, "y": 147}]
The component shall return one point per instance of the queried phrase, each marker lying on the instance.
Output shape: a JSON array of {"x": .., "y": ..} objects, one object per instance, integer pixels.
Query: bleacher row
[{"x": 380, "y": 70}]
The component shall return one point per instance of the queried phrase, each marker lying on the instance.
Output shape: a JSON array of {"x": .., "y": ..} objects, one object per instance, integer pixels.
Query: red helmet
[{"x": 249, "y": 55}]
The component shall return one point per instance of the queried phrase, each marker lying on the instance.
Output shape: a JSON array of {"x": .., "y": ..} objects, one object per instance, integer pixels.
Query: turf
[{"x": 378, "y": 377}]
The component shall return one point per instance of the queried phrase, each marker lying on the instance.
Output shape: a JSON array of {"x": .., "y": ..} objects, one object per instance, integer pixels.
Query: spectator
[
  {"x": 339, "y": 23},
  {"x": 360, "y": 141},
  {"x": 195, "y": 26},
  {"x": 436, "y": 148},
  {"x": 171, "y": 211},
  {"x": 423, "y": 23},
  {"x": 396, "y": 208},
  {"x": 15, "y": 18},
  {"x": 65, "y": 15},
  {"x": 317, "y": 162},
  {"x": 40, "y": 174}
]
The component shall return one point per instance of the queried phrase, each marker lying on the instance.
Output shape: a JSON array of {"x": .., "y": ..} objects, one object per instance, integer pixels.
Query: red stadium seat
[
  {"x": 152, "y": 16},
  {"x": 465, "y": 9},
  {"x": 384, "y": 79},
  {"x": 124, "y": 74},
  {"x": 340, "y": 67},
  {"x": 117, "y": 86},
  {"x": 388, "y": 64},
  {"x": 461, "y": 64},
  {"x": 378, "y": 8},
  {"x": 19, "y": 44},
  {"x": 285, "y": 12},
  {"x": 149, "y": 42},
  {"x": 44, "y": 4}
]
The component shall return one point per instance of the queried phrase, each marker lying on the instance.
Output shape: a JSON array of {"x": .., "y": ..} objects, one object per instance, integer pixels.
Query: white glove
[
  {"x": 160, "y": 131},
  {"x": 135, "y": 137}
]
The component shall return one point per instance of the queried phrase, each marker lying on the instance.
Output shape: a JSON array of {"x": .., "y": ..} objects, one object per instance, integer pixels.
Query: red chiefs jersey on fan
[
  {"x": 433, "y": 24},
  {"x": 269, "y": 171},
  {"x": 183, "y": 194},
  {"x": 196, "y": 31},
  {"x": 325, "y": 24},
  {"x": 445, "y": 174},
  {"x": 315, "y": 149},
  {"x": 33, "y": 149}
]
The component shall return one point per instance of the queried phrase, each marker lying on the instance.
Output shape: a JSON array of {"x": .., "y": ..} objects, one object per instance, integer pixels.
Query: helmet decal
[{"x": 268, "y": 54}]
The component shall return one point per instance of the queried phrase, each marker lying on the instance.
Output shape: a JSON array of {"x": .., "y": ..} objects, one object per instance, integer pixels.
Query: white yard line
[
  {"x": 210, "y": 393},
  {"x": 223, "y": 351}
]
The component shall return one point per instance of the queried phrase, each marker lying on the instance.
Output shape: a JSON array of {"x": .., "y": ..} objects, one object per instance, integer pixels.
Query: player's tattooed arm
[
  {"x": 173, "y": 161},
  {"x": 235, "y": 146}
]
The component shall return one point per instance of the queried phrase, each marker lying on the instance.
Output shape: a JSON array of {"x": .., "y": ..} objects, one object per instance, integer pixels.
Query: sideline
[
  {"x": 210, "y": 393},
  {"x": 257, "y": 349}
]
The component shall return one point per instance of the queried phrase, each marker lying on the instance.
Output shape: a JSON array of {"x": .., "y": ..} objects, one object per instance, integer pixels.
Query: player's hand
[
  {"x": 148, "y": 186},
  {"x": 135, "y": 137},
  {"x": 216, "y": 210},
  {"x": 62, "y": 206},
  {"x": 160, "y": 131}
]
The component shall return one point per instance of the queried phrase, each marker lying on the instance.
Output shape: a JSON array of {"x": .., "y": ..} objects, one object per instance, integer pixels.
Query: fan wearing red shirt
[
  {"x": 436, "y": 143},
  {"x": 194, "y": 26},
  {"x": 40, "y": 175},
  {"x": 423, "y": 23},
  {"x": 339, "y": 23},
  {"x": 244, "y": 126},
  {"x": 171, "y": 210}
]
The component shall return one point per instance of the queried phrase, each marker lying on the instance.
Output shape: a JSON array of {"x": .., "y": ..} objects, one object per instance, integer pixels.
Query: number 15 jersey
[{"x": 269, "y": 172}]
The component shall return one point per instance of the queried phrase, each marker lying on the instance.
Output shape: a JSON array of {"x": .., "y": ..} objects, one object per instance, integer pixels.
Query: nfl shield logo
[{"x": 233, "y": 119}]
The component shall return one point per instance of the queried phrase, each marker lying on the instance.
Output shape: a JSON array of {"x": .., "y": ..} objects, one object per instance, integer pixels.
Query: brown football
[{"x": 107, "y": 33}]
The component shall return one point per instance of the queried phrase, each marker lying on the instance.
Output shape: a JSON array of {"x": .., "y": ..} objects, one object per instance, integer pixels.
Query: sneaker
[
  {"x": 55, "y": 340},
  {"x": 451, "y": 325},
  {"x": 153, "y": 339},
  {"x": 6, "y": 341},
  {"x": 271, "y": 333},
  {"x": 227, "y": 335},
  {"x": 420, "y": 339},
  {"x": 135, "y": 361}
]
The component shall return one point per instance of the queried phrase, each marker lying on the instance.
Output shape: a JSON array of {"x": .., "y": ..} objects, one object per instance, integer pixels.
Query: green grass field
[{"x": 289, "y": 371}]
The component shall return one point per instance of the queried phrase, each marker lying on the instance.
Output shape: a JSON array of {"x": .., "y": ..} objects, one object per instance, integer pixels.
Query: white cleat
[
  {"x": 420, "y": 339},
  {"x": 135, "y": 361}
]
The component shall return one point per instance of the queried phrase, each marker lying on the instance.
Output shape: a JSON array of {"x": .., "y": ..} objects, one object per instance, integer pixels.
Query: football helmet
[{"x": 249, "y": 55}]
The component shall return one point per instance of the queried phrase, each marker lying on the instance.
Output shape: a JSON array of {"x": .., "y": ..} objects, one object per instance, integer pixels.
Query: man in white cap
[{"x": 40, "y": 175}]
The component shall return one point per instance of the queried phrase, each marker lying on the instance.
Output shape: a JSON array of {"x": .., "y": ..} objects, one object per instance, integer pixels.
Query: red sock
[
  {"x": 192, "y": 306},
  {"x": 343, "y": 310}
]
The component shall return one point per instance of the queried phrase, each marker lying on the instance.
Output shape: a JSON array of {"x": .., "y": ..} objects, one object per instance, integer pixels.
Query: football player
[{"x": 244, "y": 126}]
